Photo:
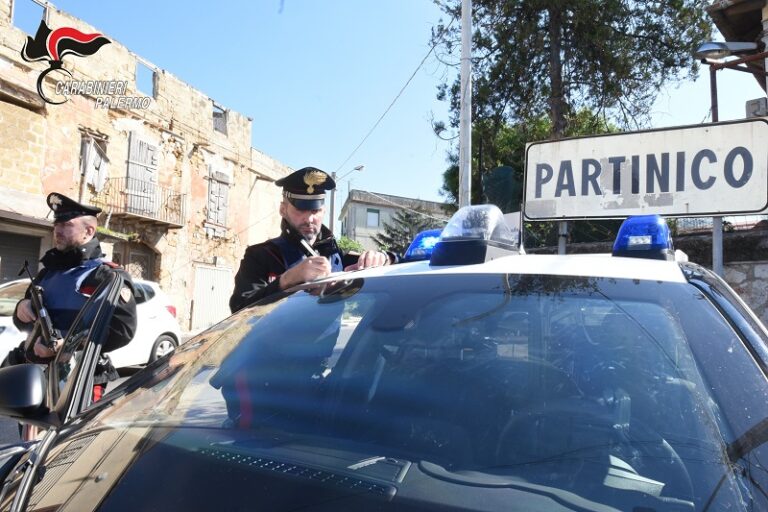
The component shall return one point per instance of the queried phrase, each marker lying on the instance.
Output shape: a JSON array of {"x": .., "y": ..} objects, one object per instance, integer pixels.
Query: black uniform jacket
[
  {"x": 123, "y": 325},
  {"x": 260, "y": 270}
]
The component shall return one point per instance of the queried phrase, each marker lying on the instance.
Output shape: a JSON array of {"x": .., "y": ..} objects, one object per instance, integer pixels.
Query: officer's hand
[
  {"x": 308, "y": 270},
  {"x": 370, "y": 259},
  {"x": 43, "y": 351},
  {"x": 24, "y": 311}
]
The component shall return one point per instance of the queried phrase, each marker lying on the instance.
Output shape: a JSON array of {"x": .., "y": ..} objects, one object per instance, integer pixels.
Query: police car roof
[{"x": 593, "y": 265}]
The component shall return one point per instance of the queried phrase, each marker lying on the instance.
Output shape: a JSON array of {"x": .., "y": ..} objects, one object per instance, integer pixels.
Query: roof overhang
[{"x": 741, "y": 20}]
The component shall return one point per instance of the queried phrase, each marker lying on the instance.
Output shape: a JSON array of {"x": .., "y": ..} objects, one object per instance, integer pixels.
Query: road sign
[{"x": 712, "y": 169}]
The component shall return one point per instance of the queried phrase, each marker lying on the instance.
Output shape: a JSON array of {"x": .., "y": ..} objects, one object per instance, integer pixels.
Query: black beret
[
  {"x": 65, "y": 209},
  {"x": 305, "y": 188}
]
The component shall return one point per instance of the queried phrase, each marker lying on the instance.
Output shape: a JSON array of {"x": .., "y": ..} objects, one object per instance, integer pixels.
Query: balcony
[{"x": 140, "y": 200}]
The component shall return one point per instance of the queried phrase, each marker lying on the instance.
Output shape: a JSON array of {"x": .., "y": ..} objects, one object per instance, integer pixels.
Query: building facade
[
  {"x": 183, "y": 192},
  {"x": 364, "y": 214}
]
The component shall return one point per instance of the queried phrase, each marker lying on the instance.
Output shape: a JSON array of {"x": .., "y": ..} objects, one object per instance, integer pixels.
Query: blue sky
[{"x": 316, "y": 75}]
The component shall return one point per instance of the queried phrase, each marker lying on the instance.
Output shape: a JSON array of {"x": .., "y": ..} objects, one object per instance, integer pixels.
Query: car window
[
  {"x": 612, "y": 389},
  {"x": 144, "y": 292},
  {"x": 149, "y": 292},
  {"x": 81, "y": 348},
  {"x": 10, "y": 295},
  {"x": 140, "y": 292}
]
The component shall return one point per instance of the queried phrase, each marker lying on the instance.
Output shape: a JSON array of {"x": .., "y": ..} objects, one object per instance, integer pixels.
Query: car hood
[{"x": 176, "y": 468}]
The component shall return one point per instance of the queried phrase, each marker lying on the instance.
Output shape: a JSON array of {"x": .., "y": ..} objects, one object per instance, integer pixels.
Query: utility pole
[
  {"x": 333, "y": 198},
  {"x": 333, "y": 192},
  {"x": 465, "y": 112}
]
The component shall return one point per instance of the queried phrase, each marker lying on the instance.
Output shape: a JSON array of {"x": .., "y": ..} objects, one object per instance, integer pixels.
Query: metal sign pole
[
  {"x": 465, "y": 111},
  {"x": 717, "y": 222}
]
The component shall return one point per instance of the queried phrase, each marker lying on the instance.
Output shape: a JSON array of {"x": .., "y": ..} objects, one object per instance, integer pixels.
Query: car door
[{"x": 69, "y": 388}]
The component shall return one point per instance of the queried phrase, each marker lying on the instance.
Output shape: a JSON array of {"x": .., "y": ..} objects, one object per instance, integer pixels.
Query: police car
[{"x": 480, "y": 378}]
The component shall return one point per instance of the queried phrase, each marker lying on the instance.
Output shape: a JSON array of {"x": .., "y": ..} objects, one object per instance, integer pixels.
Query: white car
[
  {"x": 157, "y": 331},
  {"x": 10, "y": 294}
]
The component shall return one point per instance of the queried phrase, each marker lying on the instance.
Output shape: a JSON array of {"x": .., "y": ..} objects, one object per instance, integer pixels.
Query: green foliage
[
  {"x": 406, "y": 224},
  {"x": 545, "y": 69},
  {"x": 536, "y": 58},
  {"x": 348, "y": 245},
  {"x": 505, "y": 146}
]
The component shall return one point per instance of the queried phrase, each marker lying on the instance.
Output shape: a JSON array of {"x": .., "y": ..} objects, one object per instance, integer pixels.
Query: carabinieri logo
[{"x": 54, "y": 45}]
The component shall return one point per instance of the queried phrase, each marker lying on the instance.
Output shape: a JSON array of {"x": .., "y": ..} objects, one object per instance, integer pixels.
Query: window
[
  {"x": 145, "y": 79},
  {"x": 27, "y": 15},
  {"x": 372, "y": 218},
  {"x": 218, "y": 198},
  {"x": 94, "y": 164},
  {"x": 143, "y": 292},
  {"x": 219, "y": 119}
]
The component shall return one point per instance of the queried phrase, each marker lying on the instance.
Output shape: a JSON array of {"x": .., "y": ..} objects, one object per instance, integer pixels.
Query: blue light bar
[
  {"x": 644, "y": 236},
  {"x": 422, "y": 245}
]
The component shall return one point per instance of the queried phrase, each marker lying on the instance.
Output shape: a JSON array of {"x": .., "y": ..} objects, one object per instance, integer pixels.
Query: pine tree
[{"x": 405, "y": 225}]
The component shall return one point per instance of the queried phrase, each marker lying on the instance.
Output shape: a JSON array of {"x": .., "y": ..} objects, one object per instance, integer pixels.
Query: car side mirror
[{"x": 22, "y": 391}]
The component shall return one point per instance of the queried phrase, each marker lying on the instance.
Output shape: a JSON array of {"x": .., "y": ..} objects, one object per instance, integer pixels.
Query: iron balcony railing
[{"x": 139, "y": 198}]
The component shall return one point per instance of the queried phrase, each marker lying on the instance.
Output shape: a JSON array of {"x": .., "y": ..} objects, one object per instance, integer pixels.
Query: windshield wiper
[
  {"x": 564, "y": 497},
  {"x": 748, "y": 441}
]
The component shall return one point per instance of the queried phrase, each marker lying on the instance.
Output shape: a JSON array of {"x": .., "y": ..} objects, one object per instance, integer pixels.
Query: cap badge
[
  {"x": 313, "y": 178},
  {"x": 55, "y": 202}
]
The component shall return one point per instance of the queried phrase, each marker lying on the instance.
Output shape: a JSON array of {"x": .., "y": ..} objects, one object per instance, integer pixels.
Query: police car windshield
[{"x": 614, "y": 389}]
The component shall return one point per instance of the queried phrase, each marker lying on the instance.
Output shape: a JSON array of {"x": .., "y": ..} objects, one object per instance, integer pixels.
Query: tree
[
  {"x": 505, "y": 145},
  {"x": 406, "y": 224},
  {"x": 544, "y": 57},
  {"x": 582, "y": 65},
  {"x": 508, "y": 145},
  {"x": 346, "y": 244}
]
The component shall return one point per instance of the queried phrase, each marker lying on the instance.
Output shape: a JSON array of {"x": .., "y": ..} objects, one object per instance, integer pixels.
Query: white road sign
[{"x": 712, "y": 169}]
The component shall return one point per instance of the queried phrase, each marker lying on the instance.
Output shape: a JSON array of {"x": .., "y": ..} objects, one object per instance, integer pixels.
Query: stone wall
[{"x": 750, "y": 280}]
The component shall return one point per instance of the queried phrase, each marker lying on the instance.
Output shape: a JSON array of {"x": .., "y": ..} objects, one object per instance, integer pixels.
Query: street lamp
[
  {"x": 709, "y": 52},
  {"x": 333, "y": 192}
]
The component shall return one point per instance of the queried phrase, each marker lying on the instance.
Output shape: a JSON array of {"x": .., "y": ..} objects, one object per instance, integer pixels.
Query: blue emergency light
[
  {"x": 475, "y": 234},
  {"x": 644, "y": 236},
  {"x": 422, "y": 245}
]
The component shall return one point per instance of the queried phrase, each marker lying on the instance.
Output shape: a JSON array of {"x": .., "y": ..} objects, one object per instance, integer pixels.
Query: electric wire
[{"x": 386, "y": 111}]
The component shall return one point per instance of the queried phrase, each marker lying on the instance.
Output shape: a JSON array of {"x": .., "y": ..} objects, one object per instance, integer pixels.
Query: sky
[{"x": 316, "y": 76}]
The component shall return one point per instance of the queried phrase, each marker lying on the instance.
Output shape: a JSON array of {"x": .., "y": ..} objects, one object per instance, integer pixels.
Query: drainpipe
[{"x": 86, "y": 155}]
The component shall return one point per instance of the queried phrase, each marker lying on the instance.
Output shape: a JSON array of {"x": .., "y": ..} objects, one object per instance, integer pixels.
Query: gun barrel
[{"x": 44, "y": 319}]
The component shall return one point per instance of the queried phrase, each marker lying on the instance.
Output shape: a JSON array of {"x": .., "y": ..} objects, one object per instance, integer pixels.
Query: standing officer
[
  {"x": 289, "y": 259},
  {"x": 71, "y": 272}
]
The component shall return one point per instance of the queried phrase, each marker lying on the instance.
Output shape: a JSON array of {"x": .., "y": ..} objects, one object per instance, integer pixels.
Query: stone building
[
  {"x": 183, "y": 191},
  {"x": 365, "y": 213}
]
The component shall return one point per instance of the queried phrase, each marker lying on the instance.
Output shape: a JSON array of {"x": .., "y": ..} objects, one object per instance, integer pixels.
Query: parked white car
[
  {"x": 10, "y": 293},
  {"x": 157, "y": 331}
]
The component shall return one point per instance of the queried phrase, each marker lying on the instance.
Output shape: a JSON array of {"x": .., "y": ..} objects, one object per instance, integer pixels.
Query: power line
[
  {"x": 381, "y": 117},
  {"x": 406, "y": 208}
]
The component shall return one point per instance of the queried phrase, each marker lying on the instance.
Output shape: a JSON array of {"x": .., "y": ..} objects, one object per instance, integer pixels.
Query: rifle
[{"x": 48, "y": 333}]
